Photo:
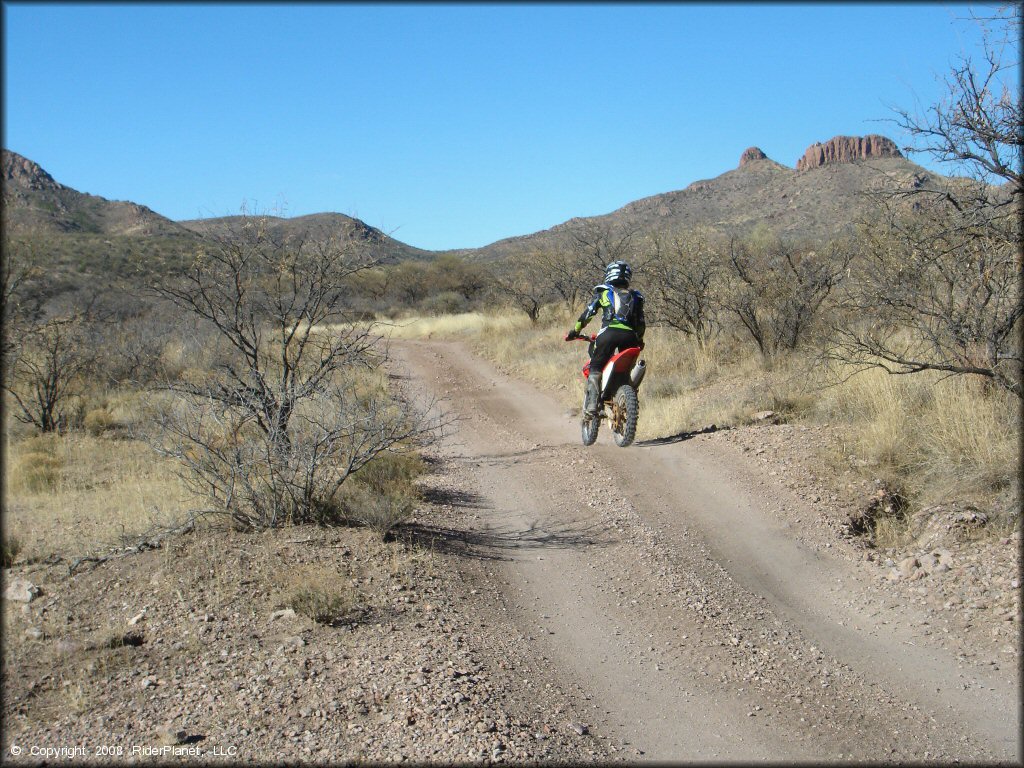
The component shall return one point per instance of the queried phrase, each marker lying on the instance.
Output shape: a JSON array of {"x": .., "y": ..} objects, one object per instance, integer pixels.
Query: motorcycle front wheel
[
  {"x": 625, "y": 412},
  {"x": 589, "y": 426}
]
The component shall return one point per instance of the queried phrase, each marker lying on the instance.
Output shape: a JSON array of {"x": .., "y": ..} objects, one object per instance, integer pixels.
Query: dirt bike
[{"x": 618, "y": 401}]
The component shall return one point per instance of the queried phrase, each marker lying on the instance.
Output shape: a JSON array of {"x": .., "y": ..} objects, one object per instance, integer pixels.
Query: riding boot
[{"x": 593, "y": 393}]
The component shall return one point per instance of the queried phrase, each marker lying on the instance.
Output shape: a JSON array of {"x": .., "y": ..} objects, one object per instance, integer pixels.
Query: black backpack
[{"x": 627, "y": 306}]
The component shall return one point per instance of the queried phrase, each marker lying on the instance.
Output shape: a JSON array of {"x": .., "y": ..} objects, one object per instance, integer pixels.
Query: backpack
[{"x": 625, "y": 299}]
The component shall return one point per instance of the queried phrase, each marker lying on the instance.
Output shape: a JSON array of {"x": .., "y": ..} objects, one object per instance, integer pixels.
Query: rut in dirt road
[{"x": 660, "y": 580}]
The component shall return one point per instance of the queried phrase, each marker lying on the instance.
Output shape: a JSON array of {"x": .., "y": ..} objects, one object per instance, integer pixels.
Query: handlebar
[{"x": 587, "y": 339}]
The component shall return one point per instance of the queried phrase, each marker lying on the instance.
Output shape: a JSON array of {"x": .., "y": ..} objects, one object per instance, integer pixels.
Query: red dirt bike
[{"x": 618, "y": 398}]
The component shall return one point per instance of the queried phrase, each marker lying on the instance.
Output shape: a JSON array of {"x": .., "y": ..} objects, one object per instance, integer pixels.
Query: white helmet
[{"x": 618, "y": 271}]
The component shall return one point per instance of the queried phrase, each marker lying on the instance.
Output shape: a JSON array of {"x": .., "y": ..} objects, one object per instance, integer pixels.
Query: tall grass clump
[
  {"x": 382, "y": 493},
  {"x": 318, "y": 593},
  {"x": 937, "y": 438},
  {"x": 11, "y": 549},
  {"x": 34, "y": 465}
]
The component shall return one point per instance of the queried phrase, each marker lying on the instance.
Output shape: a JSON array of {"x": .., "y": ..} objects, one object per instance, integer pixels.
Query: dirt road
[{"x": 671, "y": 581}]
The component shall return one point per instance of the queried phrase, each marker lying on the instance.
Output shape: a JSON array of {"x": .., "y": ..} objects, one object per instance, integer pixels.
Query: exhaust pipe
[{"x": 637, "y": 374}]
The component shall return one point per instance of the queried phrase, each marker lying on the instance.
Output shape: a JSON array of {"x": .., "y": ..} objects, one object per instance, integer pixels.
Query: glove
[{"x": 573, "y": 334}]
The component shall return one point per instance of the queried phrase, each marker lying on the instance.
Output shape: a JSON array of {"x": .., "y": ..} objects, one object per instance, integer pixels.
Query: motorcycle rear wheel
[{"x": 625, "y": 412}]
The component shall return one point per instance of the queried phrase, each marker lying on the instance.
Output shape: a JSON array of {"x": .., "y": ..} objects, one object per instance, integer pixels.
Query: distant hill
[
  {"x": 823, "y": 196},
  {"x": 338, "y": 225},
  {"x": 35, "y": 202},
  {"x": 822, "y": 199},
  {"x": 89, "y": 236}
]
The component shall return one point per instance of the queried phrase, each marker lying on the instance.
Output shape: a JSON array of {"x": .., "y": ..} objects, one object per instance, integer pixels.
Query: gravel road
[
  {"x": 704, "y": 609},
  {"x": 686, "y": 599}
]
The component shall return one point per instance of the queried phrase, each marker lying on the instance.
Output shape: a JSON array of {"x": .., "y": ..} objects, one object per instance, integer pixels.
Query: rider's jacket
[{"x": 615, "y": 310}]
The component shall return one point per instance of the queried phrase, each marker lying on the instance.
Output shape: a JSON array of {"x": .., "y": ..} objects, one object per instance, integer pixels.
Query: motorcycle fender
[{"x": 606, "y": 375}]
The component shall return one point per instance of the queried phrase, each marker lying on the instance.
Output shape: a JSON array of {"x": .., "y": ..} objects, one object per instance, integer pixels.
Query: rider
[{"x": 622, "y": 324}]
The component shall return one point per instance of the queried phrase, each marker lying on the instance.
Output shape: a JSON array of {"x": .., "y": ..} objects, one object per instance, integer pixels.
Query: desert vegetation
[
  {"x": 216, "y": 395},
  {"x": 254, "y": 387},
  {"x": 248, "y": 380},
  {"x": 906, "y": 336}
]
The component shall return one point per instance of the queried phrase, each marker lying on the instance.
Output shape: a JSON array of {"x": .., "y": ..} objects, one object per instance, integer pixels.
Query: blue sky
[{"x": 450, "y": 125}]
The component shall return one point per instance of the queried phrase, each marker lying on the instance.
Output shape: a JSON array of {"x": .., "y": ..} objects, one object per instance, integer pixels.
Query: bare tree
[
  {"x": 523, "y": 285},
  {"x": 600, "y": 242},
  {"x": 776, "y": 289},
  {"x": 22, "y": 297},
  {"x": 976, "y": 128},
  {"x": 47, "y": 367},
  {"x": 563, "y": 271},
  {"x": 942, "y": 276},
  {"x": 595, "y": 244},
  {"x": 275, "y": 428},
  {"x": 936, "y": 292},
  {"x": 684, "y": 277},
  {"x": 45, "y": 358}
]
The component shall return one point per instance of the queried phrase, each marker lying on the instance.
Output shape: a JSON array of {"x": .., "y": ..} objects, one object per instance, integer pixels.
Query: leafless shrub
[
  {"x": 272, "y": 432},
  {"x": 777, "y": 289},
  {"x": 130, "y": 347},
  {"x": 942, "y": 275},
  {"x": 684, "y": 278},
  {"x": 47, "y": 369},
  {"x": 934, "y": 292},
  {"x": 264, "y": 481}
]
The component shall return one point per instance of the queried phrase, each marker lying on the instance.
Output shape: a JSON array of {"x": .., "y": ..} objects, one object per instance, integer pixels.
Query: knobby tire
[{"x": 626, "y": 400}]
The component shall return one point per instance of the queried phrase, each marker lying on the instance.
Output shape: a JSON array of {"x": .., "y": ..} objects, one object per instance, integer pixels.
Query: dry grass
[
  {"x": 382, "y": 493},
  {"x": 468, "y": 324},
  {"x": 935, "y": 439},
  {"x": 674, "y": 394},
  {"x": 318, "y": 592},
  {"x": 80, "y": 493}
]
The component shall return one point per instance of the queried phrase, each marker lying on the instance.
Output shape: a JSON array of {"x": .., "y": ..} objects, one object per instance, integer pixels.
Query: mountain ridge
[
  {"x": 34, "y": 203},
  {"x": 820, "y": 198},
  {"x": 817, "y": 202}
]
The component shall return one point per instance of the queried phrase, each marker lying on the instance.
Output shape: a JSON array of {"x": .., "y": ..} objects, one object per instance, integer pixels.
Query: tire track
[{"x": 655, "y": 579}]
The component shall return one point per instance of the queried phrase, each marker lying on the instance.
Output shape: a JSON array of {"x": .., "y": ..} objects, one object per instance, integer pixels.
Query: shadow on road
[
  {"x": 536, "y": 453},
  {"x": 679, "y": 437},
  {"x": 501, "y": 544},
  {"x": 452, "y": 498}
]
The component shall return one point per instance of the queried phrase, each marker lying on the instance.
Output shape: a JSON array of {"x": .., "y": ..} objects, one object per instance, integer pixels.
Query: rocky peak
[
  {"x": 847, "y": 149},
  {"x": 750, "y": 155},
  {"x": 21, "y": 172}
]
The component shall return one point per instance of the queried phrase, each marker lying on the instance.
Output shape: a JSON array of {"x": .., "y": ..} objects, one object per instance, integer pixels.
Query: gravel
[{"x": 413, "y": 674}]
